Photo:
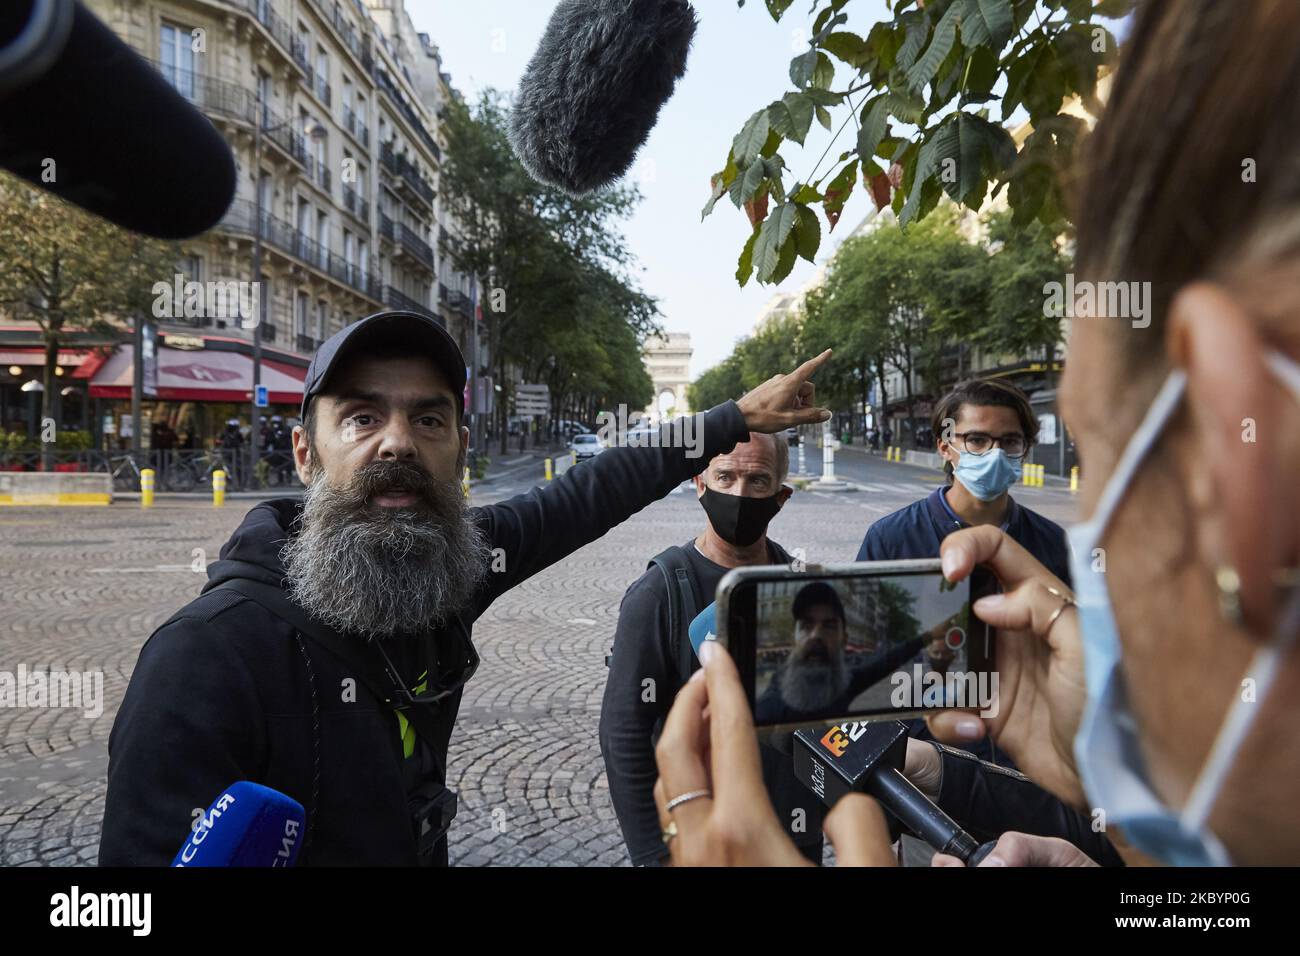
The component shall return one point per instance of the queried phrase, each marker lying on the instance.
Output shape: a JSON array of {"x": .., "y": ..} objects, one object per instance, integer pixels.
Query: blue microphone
[
  {"x": 248, "y": 825},
  {"x": 704, "y": 627}
]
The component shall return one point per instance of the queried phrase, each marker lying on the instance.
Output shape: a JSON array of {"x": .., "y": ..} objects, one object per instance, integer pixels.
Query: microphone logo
[
  {"x": 835, "y": 741},
  {"x": 838, "y": 738}
]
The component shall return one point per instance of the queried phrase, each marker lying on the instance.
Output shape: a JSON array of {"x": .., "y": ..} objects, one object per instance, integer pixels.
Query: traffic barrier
[
  {"x": 218, "y": 488},
  {"x": 1074, "y": 480},
  {"x": 50, "y": 488},
  {"x": 550, "y": 473}
]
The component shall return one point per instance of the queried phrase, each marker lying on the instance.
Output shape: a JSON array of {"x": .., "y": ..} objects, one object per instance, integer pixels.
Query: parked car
[
  {"x": 585, "y": 446},
  {"x": 569, "y": 429}
]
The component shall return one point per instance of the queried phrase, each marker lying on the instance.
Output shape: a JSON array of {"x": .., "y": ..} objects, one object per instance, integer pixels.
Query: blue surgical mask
[
  {"x": 987, "y": 476},
  {"x": 1106, "y": 749}
]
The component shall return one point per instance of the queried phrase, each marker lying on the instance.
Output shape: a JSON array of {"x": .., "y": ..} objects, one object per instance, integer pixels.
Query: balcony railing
[
  {"x": 282, "y": 134},
  {"x": 306, "y": 343},
  {"x": 322, "y": 88},
  {"x": 212, "y": 96},
  {"x": 386, "y": 227},
  {"x": 354, "y": 204},
  {"x": 323, "y": 177},
  {"x": 460, "y": 303},
  {"x": 265, "y": 14},
  {"x": 413, "y": 244},
  {"x": 405, "y": 171},
  {"x": 331, "y": 13},
  {"x": 280, "y": 235},
  {"x": 394, "y": 95},
  {"x": 269, "y": 331},
  {"x": 352, "y": 123},
  {"x": 398, "y": 300}
]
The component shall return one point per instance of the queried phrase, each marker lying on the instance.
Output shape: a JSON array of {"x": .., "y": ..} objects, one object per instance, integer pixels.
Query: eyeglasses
[{"x": 980, "y": 443}]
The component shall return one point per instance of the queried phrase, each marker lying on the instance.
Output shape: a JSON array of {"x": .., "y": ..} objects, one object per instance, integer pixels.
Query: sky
[{"x": 739, "y": 62}]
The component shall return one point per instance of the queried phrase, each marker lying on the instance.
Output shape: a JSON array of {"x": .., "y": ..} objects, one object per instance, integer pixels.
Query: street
[{"x": 85, "y": 587}]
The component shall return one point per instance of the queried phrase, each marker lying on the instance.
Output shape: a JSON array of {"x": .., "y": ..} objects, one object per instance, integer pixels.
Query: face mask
[
  {"x": 1106, "y": 748},
  {"x": 987, "y": 476},
  {"x": 739, "y": 520}
]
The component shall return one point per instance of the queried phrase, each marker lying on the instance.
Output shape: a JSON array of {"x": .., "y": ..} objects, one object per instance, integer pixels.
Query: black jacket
[{"x": 225, "y": 691}]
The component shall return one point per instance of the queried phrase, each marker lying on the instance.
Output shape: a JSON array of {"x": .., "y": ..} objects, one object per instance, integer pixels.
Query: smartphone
[{"x": 869, "y": 639}]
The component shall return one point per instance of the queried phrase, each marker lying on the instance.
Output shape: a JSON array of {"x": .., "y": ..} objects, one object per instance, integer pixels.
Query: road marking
[{"x": 155, "y": 568}]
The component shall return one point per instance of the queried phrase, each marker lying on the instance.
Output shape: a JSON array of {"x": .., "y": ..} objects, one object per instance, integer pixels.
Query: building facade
[{"x": 331, "y": 109}]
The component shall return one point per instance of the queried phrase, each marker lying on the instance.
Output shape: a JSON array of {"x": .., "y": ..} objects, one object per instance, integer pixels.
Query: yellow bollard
[
  {"x": 1042, "y": 476},
  {"x": 549, "y": 473},
  {"x": 573, "y": 459},
  {"x": 146, "y": 488},
  {"x": 1027, "y": 475},
  {"x": 1074, "y": 480},
  {"x": 218, "y": 488},
  {"x": 464, "y": 483}
]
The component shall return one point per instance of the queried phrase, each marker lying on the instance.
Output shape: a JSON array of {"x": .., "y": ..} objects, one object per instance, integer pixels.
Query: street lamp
[{"x": 316, "y": 132}]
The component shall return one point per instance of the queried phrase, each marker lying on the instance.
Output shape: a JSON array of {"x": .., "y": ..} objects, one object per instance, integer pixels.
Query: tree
[
  {"x": 1025, "y": 260},
  {"x": 67, "y": 270},
  {"x": 932, "y": 72},
  {"x": 556, "y": 265}
]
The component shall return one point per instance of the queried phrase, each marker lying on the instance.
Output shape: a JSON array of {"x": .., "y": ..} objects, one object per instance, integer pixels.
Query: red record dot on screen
[{"x": 955, "y": 638}]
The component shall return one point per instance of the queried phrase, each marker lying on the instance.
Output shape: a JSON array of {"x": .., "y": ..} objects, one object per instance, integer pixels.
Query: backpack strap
[
  {"x": 683, "y": 605},
  {"x": 377, "y": 679}
]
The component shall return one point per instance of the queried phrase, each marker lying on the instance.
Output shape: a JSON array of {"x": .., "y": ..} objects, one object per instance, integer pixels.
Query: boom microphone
[
  {"x": 83, "y": 116},
  {"x": 248, "y": 825},
  {"x": 868, "y": 758},
  {"x": 593, "y": 90}
]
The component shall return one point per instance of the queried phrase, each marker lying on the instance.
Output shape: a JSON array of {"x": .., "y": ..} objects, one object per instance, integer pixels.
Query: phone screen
[{"x": 814, "y": 648}]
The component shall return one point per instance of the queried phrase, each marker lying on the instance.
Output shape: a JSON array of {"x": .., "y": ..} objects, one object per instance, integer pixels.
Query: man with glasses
[
  {"x": 983, "y": 429},
  {"x": 328, "y": 652}
]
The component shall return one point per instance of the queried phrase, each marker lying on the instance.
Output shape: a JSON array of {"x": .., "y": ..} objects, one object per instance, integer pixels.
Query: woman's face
[{"x": 1183, "y": 664}]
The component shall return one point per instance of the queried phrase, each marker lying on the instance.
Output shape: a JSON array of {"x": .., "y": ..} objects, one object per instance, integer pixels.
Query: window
[
  {"x": 322, "y": 322},
  {"x": 191, "y": 267},
  {"x": 300, "y": 314},
  {"x": 264, "y": 93},
  {"x": 177, "y": 58},
  {"x": 323, "y": 237}
]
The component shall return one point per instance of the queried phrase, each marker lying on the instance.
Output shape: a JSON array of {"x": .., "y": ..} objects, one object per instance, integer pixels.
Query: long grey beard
[
  {"x": 812, "y": 685},
  {"x": 376, "y": 572}
]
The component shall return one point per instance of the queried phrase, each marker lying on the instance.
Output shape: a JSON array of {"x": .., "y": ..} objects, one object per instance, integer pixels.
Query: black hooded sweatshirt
[{"x": 225, "y": 691}]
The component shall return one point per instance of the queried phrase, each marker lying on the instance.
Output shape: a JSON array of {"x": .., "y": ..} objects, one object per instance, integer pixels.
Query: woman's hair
[{"x": 1193, "y": 170}]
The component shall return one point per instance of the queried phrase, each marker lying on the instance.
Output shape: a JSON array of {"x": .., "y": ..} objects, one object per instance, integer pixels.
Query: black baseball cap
[
  {"x": 811, "y": 595},
  {"x": 415, "y": 333}
]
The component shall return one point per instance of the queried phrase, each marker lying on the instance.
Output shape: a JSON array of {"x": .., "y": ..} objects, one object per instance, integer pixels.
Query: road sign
[
  {"x": 532, "y": 400},
  {"x": 261, "y": 398}
]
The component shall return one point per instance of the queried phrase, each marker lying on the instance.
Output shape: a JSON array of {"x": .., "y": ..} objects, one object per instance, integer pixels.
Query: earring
[{"x": 1229, "y": 584}]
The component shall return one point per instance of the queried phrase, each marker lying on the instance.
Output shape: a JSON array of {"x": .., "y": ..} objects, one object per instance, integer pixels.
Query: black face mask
[{"x": 739, "y": 520}]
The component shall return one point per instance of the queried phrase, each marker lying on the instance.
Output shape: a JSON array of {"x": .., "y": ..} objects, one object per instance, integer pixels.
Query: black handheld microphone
[
  {"x": 868, "y": 758},
  {"x": 593, "y": 90},
  {"x": 84, "y": 117}
]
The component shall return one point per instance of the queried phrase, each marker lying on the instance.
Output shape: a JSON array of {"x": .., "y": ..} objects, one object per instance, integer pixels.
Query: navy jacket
[
  {"x": 225, "y": 691},
  {"x": 917, "y": 530}
]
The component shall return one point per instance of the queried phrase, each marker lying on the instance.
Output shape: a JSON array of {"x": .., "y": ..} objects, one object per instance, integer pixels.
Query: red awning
[{"x": 201, "y": 375}]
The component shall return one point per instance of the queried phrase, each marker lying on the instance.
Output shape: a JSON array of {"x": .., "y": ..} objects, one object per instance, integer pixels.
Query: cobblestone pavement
[{"x": 84, "y": 588}]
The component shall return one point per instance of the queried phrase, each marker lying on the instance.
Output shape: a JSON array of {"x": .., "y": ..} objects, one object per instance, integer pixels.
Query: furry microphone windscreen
[{"x": 593, "y": 90}]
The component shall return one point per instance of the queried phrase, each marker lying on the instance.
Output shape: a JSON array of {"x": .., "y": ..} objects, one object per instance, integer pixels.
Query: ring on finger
[
  {"x": 1067, "y": 600},
  {"x": 685, "y": 798}
]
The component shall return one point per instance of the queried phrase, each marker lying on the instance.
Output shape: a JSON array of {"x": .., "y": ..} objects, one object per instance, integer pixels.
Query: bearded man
[{"x": 327, "y": 654}]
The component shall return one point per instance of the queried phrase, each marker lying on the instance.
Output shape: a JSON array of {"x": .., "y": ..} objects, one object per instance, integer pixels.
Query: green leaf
[
  {"x": 824, "y": 117},
  {"x": 927, "y": 66},
  {"x": 982, "y": 73},
  {"x": 771, "y": 237},
  {"x": 824, "y": 97},
  {"x": 987, "y": 22},
  {"x": 806, "y": 194},
  {"x": 719, "y": 190},
  {"x": 849, "y": 47},
  {"x": 838, "y": 191},
  {"x": 745, "y": 268},
  {"x": 802, "y": 68},
  {"x": 883, "y": 43},
  {"x": 917, "y": 27},
  {"x": 824, "y": 73},
  {"x": 875, "y": 121},
  {"x": 967, "y": 152},
  {"x": 792, "y": 116},
  {"x": 808, "y": 233},
  {"x": 749, "y": 142},
  {"x": 777, "y": 8},
  {"x": 746, "y": 185},
  {"x": 785, "y": 261}
]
